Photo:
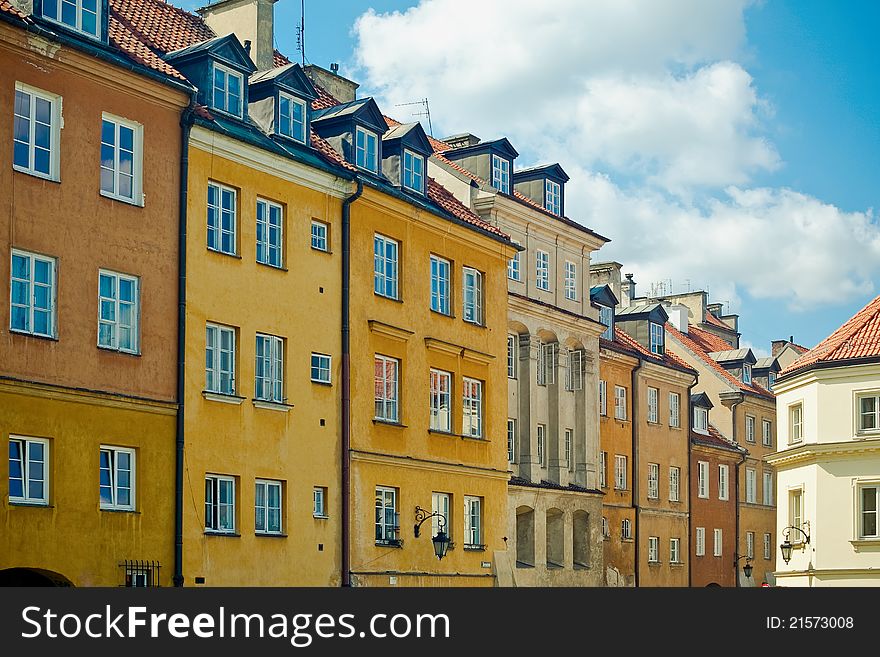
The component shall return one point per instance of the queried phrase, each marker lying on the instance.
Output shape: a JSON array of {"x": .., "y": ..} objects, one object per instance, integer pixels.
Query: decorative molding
[
  {"x": 433, "y": 466},
  {"x": 477, "y": 356},
  {"x": 811, "y": 453},
  {"x": 84, "y": 396},
  {"x": 220, "y": 397},
  {"x": 389, "y": 331},
  {"x": 272, "y": 406},
  {"x": 444, "y": 347}
]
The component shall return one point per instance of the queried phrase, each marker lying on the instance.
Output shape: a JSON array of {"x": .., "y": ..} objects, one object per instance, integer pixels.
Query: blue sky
[{"x": 732, "y": 144}]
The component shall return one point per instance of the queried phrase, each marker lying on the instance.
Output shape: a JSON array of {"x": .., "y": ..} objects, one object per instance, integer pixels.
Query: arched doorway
[{"x": 32, "y": 577}]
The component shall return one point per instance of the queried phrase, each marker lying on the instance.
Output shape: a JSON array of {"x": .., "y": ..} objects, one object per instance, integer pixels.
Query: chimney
[
  {"x": 462, "y": 140},
  {"x": 715, "y": 309},
  {"x": 628, "y": 291},
  {"x": 342, "y": 89},
  {"x": 776, "y": 347},
  {"x": 678, "y": 316},
  {"x": 249, "y": 20},
  {"x": 26, "y": 7}
]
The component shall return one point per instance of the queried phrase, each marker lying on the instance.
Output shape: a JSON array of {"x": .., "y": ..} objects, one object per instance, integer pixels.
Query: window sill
[
  {"x": 272, "y": 405},
  {"x": 210, "y": 532},
  {"x": 327, "y": 251},
  {"x": 270, "y": 535},
  {"x": 122, "y": 352},
  {"x": 36, "y": 174},
  {"x": 224, "y": 253},
  {"x": 222, "y": 397},
  {"x": 476, "y": 324},
  {"x": 122, "y": 199},
  {"x": 389, "y": 423},
  {"x": 442, "y": 314},
  {"x": 327, "y": 384},
  {"x": 320, "y": 517},
  {"x": 581, "y": 566},
  {"x": 387, "y": 298},
  {"x": 627, "y": 539},
  {"x": 28, "y": 503},
  {"x": 476, "y": 438},
  {"x": 271, "y": 266},
  {"x": 391, "y": 542},
  {"x": 676, "y": 564},
  {"x": 110, "y": 509},
  {"x": 15, "y": 331},
  {"x": 864, "y": 544},
  {"x": 474, "y": 548},
  {"x": 442, "y": 432},
  {"x": 655, "y": 563}
]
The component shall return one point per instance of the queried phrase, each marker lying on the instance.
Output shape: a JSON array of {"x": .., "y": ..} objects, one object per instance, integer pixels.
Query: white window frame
[
  {"x": 796, "y": 423},
  {"x": 511, "y": 440},
  {"x": 542, "y": 270},
  {"x": 513, "y": 268},
  {"x": 441, "y": 285},
  {"x": 472, "y": 408},
  {"x": 500, "y": 174},
  {"x": 703, "y": 479},
  {"x": 575, "y": 373},
  {"x": 473, "y": 521},
  {"x": 32, "y": 285},
  {"x": 700, "y": 542},
  {"x": 387, "y": 407},
  {"x": 114, "y": 504},
  {"x": 553, "y": 197},
  {"x": 603, "y": 397},
  {"x": 796, "y": 512},
  {"x": 472, "y": 297},
  {"x": 750, "y": 428},
  {"x": 412, "y": 179},
  {"x": 619, "y": 403},
  {"x": 512, "y": 344},
  {"x": 768, "y": 492},
  {"x": 26, "y": 470},
  {"x": 861, "y": 415},
  {"x": 266, "y": 484},
  {"x": 387, "y": 533},
  {"x": 771, "y": 379},
  {"x": 80, "y": 9},
  {"x": 767, "y": 433},
  {"x": 137, "y": 160},
  {"x": 364, "y": 158},
  {"x": 546, "y": 365},
  {"x": 214, "y": 506},
  {"x": 570, "y": 280},
  {"x": 701, "y": 420},
  {"x": 321, "y": 368},
  {"x": 115, "y": 325},
  {"x": 603, "y": 469},
  {"x": 653, "y": 549},
  {"x": 620, "y": 472},
  {"x": 568, "y": 440},
  {"x": 221, "y": 213},
  {"x": 541, "y": 434},
  {"x": 274, "y": 378},
  {"x": 717, "y": 542},
  {"x": 657, "y": 338},
  {"x": 293, "y": 102},
  {"x": 653, "y": 481},
  {"x": 227, "y": 73},
  {"x": 768, "y": 546},
  {"x": 272, "y": 252},
  {"x": 751, "y": 486},
  {"x": 319, "y": 236},
  {"x": 605, "y": 531},
  {"x": 675, "y": 550},
  {"x": 750, "y": 545},
  {"x": 626, "y": 529},
  {"x": 438, "y": 420},
  {"x": 674, "y": 410},
  {"x": 674, "y": 483},
  {"x": 441, "y": 503},
  {"x": 319, "y": 502},
  {"x": 653, "y": 405},
  {"x": 55, "y": 118},
  {"x": 723, "y": 482},
  {"x": 214, "y": 351},
  {"x": 861, "y": 513},
  {"x": 747, "y": 374},
  {"x": 386, "y": 260}
]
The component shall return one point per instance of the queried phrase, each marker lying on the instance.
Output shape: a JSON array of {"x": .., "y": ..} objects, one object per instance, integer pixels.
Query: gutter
[
  {"x": 635, "y": 465},
  {"x": 736, "y": 496},
  {"x": 186, "y": 121},
  {"x": 346, "y": 382}
]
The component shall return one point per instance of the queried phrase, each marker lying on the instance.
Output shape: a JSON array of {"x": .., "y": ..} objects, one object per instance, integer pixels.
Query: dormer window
[
  {"x": 701, "y": 420},
  {"x": 606, "y": 316},
  {"x": 413, "y": 171},
  {"x": 657, "y": 339},
  {"x": 80, "y": 15},
  {"x": 292, "y": 117},
  {"x": 227, "y": 90},
  {"x": 500, "y": 174},
  {"x": 552, "y": 197},
  {"x": 771, "y": 380},
  {"x": 747, "y": 374},
  {"x": 365, "y": 149}
]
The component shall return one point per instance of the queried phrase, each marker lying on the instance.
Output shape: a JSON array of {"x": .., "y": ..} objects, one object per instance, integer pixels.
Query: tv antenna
[
  {"x": 425, "y": 112},
  {"x": 301, "y": 32}
]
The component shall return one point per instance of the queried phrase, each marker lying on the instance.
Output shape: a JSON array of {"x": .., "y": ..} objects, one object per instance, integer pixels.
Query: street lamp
[
  {"x": 747, "y": 569},
  {"x": 441, "y": 540},
  {"x": 787, "y": 545}
]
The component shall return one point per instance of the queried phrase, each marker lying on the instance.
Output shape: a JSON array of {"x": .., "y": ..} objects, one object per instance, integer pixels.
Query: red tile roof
[
  {"x": 709, "y": 342},
  {"x": 859, "y": 337},
  {"x": 630, "y": 344},
  {"x": 160, "y": 25},
  {"x": 711, "y": 319},
  {"x": 715, "y": 439},
  {"x": 9, "y": 9}
]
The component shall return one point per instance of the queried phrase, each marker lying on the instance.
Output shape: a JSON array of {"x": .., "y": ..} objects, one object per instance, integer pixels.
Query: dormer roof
[
  {"x": 500, "y": 146},
  {"x": 653, "y": 312},
  {"x": 362, "y": 110},
  {"x": 602, "y": 295},
  {"x": 227, "y": 49},
  {"x": 411, "y": 135},
  {"x": 734, "y": 356},
  {"x": 289, "y": 78},
  {"x": 702, "y": 400},
  {"x": 552, "y": 171},
  {"x": 770, "y": 364}
]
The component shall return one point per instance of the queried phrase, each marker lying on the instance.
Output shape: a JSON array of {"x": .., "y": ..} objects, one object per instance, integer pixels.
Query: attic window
[
  {"x": 365, "y": 149},
  {"x": 552, "y": 197},
  {"x": 657, "y": 339},
  {"x": 701, "y": 420},
  {"x": 413, "y": 171},
  {"x": 81, "y": 15},
  {"x": 292, "y": 117},
  {"x": 747, "y": 373},
  {"x": 606, "y": 316},
  {"x": 227, "y": 90},
  {"x": 500, "y": 174},
  {"x": 771, "y": 379}
]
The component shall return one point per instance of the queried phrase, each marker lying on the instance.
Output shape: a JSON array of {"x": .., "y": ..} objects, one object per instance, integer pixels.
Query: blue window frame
[
  {"x": 292, "y": 117},
  {"x": 385, "y": 266},
  {"x": 413, "y": 171},
  {"x": 84, "y": 16}
]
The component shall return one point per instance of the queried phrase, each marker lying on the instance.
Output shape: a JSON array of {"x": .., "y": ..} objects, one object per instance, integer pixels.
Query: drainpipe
[
  {"x": 186, "y": 121},
  {"x": 635, "y": 462},
  {"x": 346, "y": 382},
  {"x": 690, "y": 428},
  {"x": 736, "y": 497}
]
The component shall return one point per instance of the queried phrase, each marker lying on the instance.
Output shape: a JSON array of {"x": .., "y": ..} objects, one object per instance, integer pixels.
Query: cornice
[{"x": 812, "y": 453}]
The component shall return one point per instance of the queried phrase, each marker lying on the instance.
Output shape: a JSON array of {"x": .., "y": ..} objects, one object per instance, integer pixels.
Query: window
[
  {"x": 723, "y": 482},
  {"x": 718, "y": 548},
  {"x": 750, "y": 428},
  {"x": 118, "y": 311},
  {"x": 674, "y": 550},
  {"x": 269, "y": 233},
  {"x": 569, "y": 435},
  {"x": 386, "y": 388},
  {"x": 501, "y": 174},
  {"x": 869, "y": 413},
  {"x": 28, "y": 470},
  {"x": 768, "y": 488},
  {"x": 385, "y": 266},
  {"x": 703, "y": 479},
  {"x": 750, "y": 545},
  {"x": 751, "y": 486},
  {"x": 473, "y": 529},
  {"x": 511, "y": 440},
  {"x": 553, "y": 197},
  {"x": 771, "y": 380},
  {"x": 219, "y": 504},
  {"x": 868, "y": 511},
  {"x": 619, "y": 472},
  {"x": 473, "y": 295},
  {"x": 674, "y": 409},
  {"x": 440, "y": 503},
  {"x": 511, "y": 356},
  {"x": 81, "y": 15},
  {"x": 603, "y": 469},
  {"x": 653, "y": 481},
  {"x": 121, "y": 149},
  {"x": 767, "y": 433},
  {"x": 439, "y": 285},
  {"x": 513, "y": 272},
  {"x": 387, "y": 518},
  {"x": 472, "y": 408},
  {"x": 292, "y": 117},
  {"x": 441, "y": 400},
  {"x": 542, "y": 438},
  {"x": 33, "y": 294},
  {"x": 366, "y": 150},
  {"x": 603, "y": 397},
  {"x": 413, "y": 171},
  {"x": 657, "y": 338},
  {"x": 269, "y": 371},
  {"x": 674, "y": 484},
  {"x": 542, "y": 270},
  {"x": 546, "y": 369},
  {"x": 700, "y": 542},
  {"x": 653, "y": 405},
  {"x": 768, "y": 550},
  {"x": 320, "y": 368},
  {"x": 221, "y": 219},
  {"x": 653, "y": 549},
  {"x": 140, "y": 574},
  {"x": 747, "y": 373},
  {"x": 570, "y": 280},
  {"x": 319, "y": 502},
  {"x": 795, "y": 423},
  {"x": 575, "y": 380},
  {"x": 319, "y": 236},
  {"x": 626, "y": 529},
  {"x": 701, "y": 420},
  {"x": 606, "y": 317},
  {"x": 619, "y": 403},
  {"x": 116, "y": 478},
  {"x": 220, "y": 359},
  {"x": 605, "y": 531},
  {"x": 796, "y": 513},
  {"x": 36, "y": 132},
  {"x": 267, "y": 507},
  {"x": 227, "y": 90}
]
